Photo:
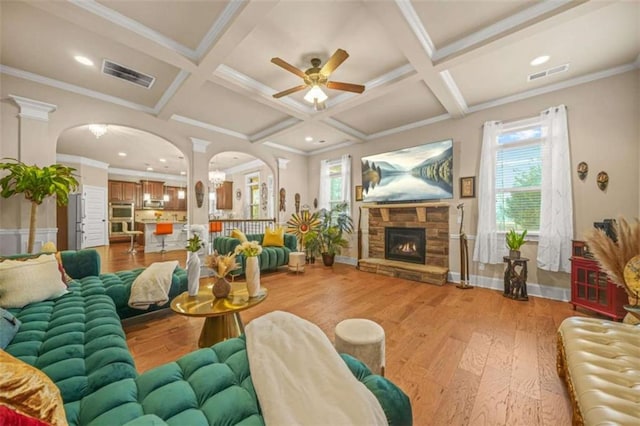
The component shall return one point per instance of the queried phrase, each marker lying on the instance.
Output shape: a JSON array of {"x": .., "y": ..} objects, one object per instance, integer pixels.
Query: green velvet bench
[
  {"x": 270, "y": 259},
  {"x": 78, "y": 341}
]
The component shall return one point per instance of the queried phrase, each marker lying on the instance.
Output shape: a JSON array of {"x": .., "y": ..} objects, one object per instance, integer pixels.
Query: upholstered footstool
[
  {"x": 296, "y": 261},
  {"x": 363, "y": 339}
]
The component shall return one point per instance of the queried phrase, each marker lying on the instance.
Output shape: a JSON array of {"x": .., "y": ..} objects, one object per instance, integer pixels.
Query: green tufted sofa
[
  {"x": 78, "y": 341},
  {"x": 271, "y": 258}
]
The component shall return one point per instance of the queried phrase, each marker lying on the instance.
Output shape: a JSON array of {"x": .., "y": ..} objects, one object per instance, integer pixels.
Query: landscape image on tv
[{"x": 423, "y": 172}]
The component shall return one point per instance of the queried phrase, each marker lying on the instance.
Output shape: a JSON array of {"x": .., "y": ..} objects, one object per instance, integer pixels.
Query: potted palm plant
[
  {"x": 334, "y": 224},
  {"x": 311, "y": 246},
  {"x": 515, "y": 240},
  {"x": 37, "y": 183}
]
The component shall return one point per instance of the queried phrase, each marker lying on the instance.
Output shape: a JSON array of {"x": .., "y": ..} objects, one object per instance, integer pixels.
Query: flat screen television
[{"x": 419, "y": 173}]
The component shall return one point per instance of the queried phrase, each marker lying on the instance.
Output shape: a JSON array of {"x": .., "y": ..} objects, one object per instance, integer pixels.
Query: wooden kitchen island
[{"x": 153, "y": 243}]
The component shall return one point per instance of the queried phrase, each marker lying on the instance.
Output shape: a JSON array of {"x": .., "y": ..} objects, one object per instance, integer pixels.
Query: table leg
[{"x": 219, "y": 328}]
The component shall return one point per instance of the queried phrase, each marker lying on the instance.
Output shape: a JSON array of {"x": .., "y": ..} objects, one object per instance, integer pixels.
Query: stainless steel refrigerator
[{"x": 75, "y": 224}]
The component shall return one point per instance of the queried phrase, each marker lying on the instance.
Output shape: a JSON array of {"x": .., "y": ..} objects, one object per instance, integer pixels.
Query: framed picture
[
  {"x": 468, "y": 187},
  {"x": 359, "y": 193}
]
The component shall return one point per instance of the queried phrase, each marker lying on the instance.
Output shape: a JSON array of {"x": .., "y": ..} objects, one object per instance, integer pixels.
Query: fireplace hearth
[{"x": 405, "y": 244}]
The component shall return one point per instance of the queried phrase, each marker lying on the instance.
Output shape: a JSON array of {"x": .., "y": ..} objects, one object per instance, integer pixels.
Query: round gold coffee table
[{"x": 222, "y": 316}]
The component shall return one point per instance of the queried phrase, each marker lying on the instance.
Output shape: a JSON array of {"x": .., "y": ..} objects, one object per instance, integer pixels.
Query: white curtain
[
  {"x": 345, "y": 169},
  {"x": 556, "y": 208},
  {"x": 489, "y": 247},
  {"x": 323, "y": 196}
]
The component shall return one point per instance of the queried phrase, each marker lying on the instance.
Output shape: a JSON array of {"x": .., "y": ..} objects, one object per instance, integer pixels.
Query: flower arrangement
[
  {"x": 158, "y": 215},
  {"x": 248, "y": 249},
  {"x": 221, "y": 264},
  {"x": 194, "y": 243}
]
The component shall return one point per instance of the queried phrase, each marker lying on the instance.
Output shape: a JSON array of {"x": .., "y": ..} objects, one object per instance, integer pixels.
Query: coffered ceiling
[{"x": 421, "y": 61}]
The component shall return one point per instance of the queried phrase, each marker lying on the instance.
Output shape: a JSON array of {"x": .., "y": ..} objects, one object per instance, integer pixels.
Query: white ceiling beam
[
  {"x": 247, "y": 17},
  {"x": 392, "y": 19},
  {"x": 511, "y": 30}
]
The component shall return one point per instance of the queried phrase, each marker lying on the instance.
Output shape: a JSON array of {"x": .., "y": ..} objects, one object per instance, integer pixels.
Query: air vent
[
  {"x": 548, "y": 73},
  {"x": 127, "y": 74}
]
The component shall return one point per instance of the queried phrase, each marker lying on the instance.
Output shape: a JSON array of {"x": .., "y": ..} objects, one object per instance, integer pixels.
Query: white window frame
[{"x": 248, "y": 197}]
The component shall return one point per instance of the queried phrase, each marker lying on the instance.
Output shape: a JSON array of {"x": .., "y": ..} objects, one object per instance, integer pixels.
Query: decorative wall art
[
  {"x": 263, "y": 196},
  {"x": 468, "y": 187},
  {"x": 315, "y": 203},
  {"x": 199, "y": 193},
  {"x": 296, "y": 199},
  {"x": 583, "y": 170},
  {"x": 238, "y": 194},
  {"x": 283, "y": 195},
  {"x": 359, "y": 193},
  {"x": 603, "y": 180}
]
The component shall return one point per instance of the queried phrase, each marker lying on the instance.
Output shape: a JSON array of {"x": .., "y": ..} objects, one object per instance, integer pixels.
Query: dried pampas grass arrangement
[{"x": 613, "y": 256}]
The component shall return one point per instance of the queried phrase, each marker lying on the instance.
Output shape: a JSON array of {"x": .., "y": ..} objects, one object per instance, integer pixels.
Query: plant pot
[
  {"x": 221, "y": 288},
  {"x": 328, "y": 259},
  {"x": 514, "y": 254}
]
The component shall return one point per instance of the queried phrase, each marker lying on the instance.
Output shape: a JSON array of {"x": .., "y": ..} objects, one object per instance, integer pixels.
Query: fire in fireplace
[{"x": 405, "y": 244}]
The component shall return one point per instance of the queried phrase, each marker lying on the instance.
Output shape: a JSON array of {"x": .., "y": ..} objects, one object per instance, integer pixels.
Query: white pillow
[{"x": 29, "y": 281}]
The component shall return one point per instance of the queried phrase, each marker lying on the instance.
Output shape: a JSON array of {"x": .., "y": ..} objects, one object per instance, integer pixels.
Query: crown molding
[
  {"x": 409, "y": 126},
  {"x": 207, "y": 126},
  {"x": 345, "y": 128},
  {"x": 251, "y": 165},
  {"x": 171, "y": 90},
  {"x": 282, "y": 162},
  {"x": 412, "y": 18},
  {"x": 285, "y": 148},
  {"x": 333, "y": 147},
  {"x": 84, "y": 161},
  {"x": 30, "y": 108},
  {"x": 147, "y": 175},
  {"x": 132, "y": 25},
  {"x": 455, "y": 91},
  {"x": 26, "y": 75},
  {"x": 501, "y": 27}
]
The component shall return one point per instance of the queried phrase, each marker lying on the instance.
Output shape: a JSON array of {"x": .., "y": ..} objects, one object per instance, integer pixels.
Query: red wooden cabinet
[{"x": 592, "y": 289}]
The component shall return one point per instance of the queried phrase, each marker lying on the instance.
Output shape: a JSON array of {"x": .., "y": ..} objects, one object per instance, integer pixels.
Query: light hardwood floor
[{"x": 464, "y": 357}]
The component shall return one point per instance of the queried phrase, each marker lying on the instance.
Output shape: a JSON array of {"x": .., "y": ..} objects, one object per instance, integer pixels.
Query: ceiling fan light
[{"x": 315, "y": 95}]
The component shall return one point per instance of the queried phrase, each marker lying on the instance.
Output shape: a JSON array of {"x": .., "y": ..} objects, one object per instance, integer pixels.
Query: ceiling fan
[{"x": 315, "y": 77}]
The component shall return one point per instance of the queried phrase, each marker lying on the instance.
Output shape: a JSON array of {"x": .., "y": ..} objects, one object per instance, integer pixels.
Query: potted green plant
[
  {"x": 36, "y": 184},
  {"x": 515, "y": 240},
  {"x": 311, "y": 246},
  {"x": 334, "y": 224}
]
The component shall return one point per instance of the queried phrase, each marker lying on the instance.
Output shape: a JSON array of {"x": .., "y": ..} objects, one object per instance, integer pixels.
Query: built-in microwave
[{"x": 153, "y": 204}]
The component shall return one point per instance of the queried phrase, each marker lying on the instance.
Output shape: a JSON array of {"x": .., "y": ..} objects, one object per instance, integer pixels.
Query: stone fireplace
[
  {"x": 404, "y": 244},
  {"x": 409, "y": 241}
]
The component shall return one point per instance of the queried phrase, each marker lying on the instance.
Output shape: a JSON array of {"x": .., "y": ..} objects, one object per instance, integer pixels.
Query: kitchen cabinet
[
  {"x": 120, "y": 191},
  {"x": 172, "y": 194},
  {"x": 154, "y": 188},
  {"x": 224, "y": 196},
  {"x": 138, "y": 197},
  {"x": 593, "y": 290}
]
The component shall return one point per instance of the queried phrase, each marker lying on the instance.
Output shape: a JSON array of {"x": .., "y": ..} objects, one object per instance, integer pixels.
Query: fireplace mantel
[{"x": 421, "y": 208}]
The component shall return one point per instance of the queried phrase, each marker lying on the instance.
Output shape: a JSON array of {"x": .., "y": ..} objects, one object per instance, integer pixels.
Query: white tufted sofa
[{"x": 600, "y": 362}]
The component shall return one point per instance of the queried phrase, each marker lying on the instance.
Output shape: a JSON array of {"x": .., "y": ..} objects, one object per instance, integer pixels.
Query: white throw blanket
[
  {"x": 301, "y": 380},
  {"x": 152, "y": 285}
]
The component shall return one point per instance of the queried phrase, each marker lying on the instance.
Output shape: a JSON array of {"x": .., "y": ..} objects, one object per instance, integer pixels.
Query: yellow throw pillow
[
  {"x": 29, "y": 391},
  {"x": 236, "y": 233},
  {"x": 273, "y": 237}
]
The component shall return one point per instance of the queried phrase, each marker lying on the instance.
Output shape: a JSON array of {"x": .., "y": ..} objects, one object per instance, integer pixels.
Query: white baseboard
[{"x": 533, "y": 289}]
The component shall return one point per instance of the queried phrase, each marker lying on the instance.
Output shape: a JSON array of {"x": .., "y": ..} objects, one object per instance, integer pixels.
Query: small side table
[{"x": 515, "y": 282}]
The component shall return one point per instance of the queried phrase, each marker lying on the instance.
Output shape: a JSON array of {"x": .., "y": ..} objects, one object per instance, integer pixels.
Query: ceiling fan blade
[
  {"x": 347, "y": 87},
  {"x": 334, "y": 62},
  {"x": 290, "y": 91},
  {"x": 287, "y": 66}
]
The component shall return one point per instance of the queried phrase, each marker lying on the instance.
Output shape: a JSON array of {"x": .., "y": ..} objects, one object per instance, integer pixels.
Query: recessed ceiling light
[
  {"x": 122, "y": 154},
  {"x": 322, "y": 141},
  {"x": 83, "y": 60},
  {"x": 308, "y": 139},
  {"x": 163, "y": 160},
  {"x": 540, "y": 60},
  {"x": 149, "y": 169},
  {"x": 183, "y": 173}
]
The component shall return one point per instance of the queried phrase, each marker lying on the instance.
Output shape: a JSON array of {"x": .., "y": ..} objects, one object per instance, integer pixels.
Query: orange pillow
[
  {"x": 273, "y": 237},
  {"x": 29, "y": 391}
]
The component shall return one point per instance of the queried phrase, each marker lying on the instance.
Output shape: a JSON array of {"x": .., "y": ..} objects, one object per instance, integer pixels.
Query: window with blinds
[
  {"x": 335, "y": 183},
  {"x": 518, "y": 178}
]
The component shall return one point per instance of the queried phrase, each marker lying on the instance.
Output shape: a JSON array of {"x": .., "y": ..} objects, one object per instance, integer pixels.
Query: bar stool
[
  {"x": 133, "y": 235},
  {"x": 215, "y": 227},
  {"x": 163, "y": 229}
]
